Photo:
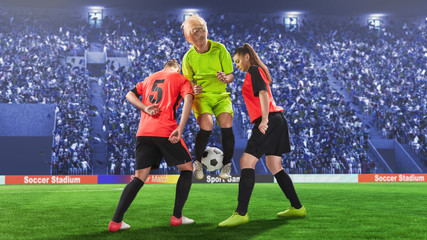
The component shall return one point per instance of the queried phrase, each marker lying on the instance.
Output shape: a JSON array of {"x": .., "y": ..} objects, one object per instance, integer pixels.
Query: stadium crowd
[
  {"x": 33, "y": 67},
  {"x": 384, "y": 72},
  {"x": 320, "y": 120}
]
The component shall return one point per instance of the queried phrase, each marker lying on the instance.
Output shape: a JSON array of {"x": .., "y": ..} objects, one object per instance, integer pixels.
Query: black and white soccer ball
[{"x": 212, "y": 159}]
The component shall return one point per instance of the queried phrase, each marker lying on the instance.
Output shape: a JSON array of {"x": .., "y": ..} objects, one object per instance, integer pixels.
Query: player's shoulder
[
  {"x": 216, "y": 44},
  {"x": 219, "y": 45},
  {"x": 150, "y": 77},
  {"x": 190, "y": 52},
  {"x": 188, "y": 56},
  {"x": 254, "y": 69}
]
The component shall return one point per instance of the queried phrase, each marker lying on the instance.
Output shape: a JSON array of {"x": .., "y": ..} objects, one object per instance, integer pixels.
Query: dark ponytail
[{"x": 253, "y": 58}]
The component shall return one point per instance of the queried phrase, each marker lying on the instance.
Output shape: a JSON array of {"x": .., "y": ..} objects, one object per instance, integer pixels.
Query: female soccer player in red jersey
[
  {"x": 159, "y": 136},
  {"x": 270, "y": 136}
]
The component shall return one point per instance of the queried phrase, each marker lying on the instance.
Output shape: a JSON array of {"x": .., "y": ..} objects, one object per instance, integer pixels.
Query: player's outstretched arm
[
  {"x": 186, "y": 110},
  {"x": 150, "y": 110}
]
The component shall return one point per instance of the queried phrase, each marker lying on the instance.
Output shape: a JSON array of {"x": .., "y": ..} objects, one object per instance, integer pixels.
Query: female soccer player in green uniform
[
  {"x": 209, "y": 67},
  {"x": 270, "y": 136}
]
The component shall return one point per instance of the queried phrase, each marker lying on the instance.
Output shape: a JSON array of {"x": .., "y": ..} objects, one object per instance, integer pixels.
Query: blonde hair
[
  {"x": 193, "y": 22},
  {"x": 172, "y": 63}
]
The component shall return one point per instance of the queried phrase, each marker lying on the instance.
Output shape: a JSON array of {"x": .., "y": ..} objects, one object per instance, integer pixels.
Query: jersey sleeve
[
  {"x": 258, "y": 82},
  {"x": 187, "y": 70},
  {"x": 139, "y": 89},
  {"x": 226, "y": 61}
]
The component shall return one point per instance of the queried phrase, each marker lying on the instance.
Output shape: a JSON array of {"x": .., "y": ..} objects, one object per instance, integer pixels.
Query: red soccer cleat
[
  {"x": 114, "y": 227},
  {"x": 183, "y": 220}
]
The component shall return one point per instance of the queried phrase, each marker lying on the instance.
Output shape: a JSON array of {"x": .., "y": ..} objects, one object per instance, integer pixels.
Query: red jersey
[
  {"x": 255, "y": 81},
  {"x": 165, "y": 88}
]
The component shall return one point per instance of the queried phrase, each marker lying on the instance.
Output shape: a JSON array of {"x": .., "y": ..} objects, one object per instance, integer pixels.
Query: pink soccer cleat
[
  {"x": 114, "y": 227},
  {"x": 181, "y": 221}
]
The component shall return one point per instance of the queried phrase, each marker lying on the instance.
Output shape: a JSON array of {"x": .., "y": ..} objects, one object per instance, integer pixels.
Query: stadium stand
[{"x": 384, "y": 73}]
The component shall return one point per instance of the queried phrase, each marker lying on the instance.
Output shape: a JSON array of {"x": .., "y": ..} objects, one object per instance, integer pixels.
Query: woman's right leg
[
  {"x": 128, "y": 195},
  {"x": 205, "y": 121},
  {"x": 246, "y": 183},
  {"x": 183, "y": 187}
]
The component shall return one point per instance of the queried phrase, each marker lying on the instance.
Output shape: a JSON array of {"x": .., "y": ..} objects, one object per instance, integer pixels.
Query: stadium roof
[{"x": 321, "y": 7}]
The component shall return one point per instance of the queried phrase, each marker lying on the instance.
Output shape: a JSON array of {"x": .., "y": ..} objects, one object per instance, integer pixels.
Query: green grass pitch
[{"x": 334, "y": 211}]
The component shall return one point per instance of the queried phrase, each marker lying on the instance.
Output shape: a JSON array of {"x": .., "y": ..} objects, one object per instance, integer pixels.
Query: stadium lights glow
[
  {"x": 95, "y": 8},
  {"x": 377, "y": 15},
  {"x": 293, "y": 13},
  {"x": 187, "y": 12},
  {"x": 190, "y": 10}
]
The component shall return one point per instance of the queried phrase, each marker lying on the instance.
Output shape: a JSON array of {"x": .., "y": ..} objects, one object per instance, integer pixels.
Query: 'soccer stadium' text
[
  {"x": 51, "y": 180},
  {"x": 400, "y": 178}
]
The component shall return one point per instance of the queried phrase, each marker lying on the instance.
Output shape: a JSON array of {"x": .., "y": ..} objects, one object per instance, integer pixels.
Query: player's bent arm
[
  {"x": 225, "y": 78},
  {"x": 263, "y": 99},
  {"x": 197, "y": 89},
  {"x": 186, "y": 110},
  {"x": 151, "y": 110},
  {"x": 229, "y": 77},
  {"x": 132, "y": 98}
]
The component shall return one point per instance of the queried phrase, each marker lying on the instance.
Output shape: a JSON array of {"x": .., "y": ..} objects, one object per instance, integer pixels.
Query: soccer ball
[{"x": 212, "y": 159}]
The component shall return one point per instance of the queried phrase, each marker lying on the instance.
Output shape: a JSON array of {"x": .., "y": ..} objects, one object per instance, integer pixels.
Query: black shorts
[
  {"x": 275, "y": 141},
  {"x": 150, "y": 151}
]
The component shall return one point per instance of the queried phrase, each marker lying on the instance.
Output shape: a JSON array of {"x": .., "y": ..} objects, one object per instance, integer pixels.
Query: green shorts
[{"x": 212, "y": 103}]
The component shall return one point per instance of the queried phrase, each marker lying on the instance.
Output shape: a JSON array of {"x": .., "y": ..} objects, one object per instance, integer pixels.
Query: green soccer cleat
[
  {"x": 235, "y": 220},
  {"x": 293, "y": 213}
]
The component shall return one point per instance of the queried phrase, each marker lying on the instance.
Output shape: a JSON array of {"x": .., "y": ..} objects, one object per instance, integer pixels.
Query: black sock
[
  {"x": 285, "y": 183},
  {"x": 128, "y": 195},
  {"x": 227, "y": 144},
  {"x": 246, "y": 185},
  {"x": 182, "y": 190},
  {"x": 202, "y": 139}
]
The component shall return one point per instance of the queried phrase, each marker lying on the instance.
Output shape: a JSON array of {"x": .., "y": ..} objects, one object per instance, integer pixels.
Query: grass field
[{"x": 334, "y": 211}]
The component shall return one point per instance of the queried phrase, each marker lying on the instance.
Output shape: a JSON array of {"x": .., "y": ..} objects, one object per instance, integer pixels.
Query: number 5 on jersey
[{"x": 157, "y": 89}]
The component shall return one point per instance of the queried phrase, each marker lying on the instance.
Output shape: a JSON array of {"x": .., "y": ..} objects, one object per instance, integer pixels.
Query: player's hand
[
  {"x": 263, "y": 126},
  {"x": 152, "y": 110},
  {"x": 197, "y": 89},
  {"x": 175, "y": 136},
  {"x": 222, "y": 77}
]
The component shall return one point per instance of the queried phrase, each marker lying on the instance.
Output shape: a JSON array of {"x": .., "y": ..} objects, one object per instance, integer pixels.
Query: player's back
[{"x": 165, "y": 88}]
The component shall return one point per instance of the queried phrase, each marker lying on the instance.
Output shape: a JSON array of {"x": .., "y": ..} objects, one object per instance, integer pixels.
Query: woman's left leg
[{"x": 274, "y": 164}]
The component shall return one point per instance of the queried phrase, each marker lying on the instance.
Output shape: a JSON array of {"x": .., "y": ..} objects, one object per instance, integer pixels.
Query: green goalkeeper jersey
[{"x": 201, "y": 68}]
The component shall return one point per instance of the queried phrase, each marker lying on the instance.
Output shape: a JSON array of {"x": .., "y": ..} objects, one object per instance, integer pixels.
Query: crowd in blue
[{"x": 384, "y": 72}]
